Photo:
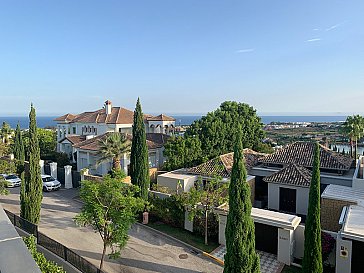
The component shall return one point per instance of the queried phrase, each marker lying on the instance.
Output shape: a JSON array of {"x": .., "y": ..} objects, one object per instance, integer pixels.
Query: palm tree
[
  {"x": 354, "y": 129},
  {"x": 5, "y": 132},
  {"x": 114, "y": 146}
]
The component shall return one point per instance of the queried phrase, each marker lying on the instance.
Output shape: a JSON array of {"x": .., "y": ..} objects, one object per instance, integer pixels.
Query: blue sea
[{"x": 180, "y": 120}]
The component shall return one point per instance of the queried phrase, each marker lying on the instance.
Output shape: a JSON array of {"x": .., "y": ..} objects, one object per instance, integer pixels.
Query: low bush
[
  {"x": 212, "y": 222},
  {"x": 44, "y": 265},
  {"x": 168, "y": 210},
  {"x": 328, "y": 244}
]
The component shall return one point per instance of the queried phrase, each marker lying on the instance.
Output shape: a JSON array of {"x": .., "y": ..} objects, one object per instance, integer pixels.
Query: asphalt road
[{"x": 146, "y": 251}]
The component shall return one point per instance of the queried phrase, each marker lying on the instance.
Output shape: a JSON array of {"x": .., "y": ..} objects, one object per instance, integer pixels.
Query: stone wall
[{"x": 330, "y": 213}]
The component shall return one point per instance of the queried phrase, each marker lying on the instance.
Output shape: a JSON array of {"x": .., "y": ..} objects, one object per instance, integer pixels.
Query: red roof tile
[
  {"x": 222, "y": 165},
  {"x": 154, "y": 141},
  {"x": 66, "y": 118},
  {"x": 161, "y": 117},
  {"x": 292, "y": 174},
  {"x": 301, "y": 153}
]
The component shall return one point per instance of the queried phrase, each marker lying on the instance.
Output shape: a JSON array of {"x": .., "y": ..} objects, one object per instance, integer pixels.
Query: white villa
[{"x": 78, "y": 135}]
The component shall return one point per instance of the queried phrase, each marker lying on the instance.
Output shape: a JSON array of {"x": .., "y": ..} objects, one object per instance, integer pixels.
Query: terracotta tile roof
[
  {"x": 301, "y": 153},
  {"x": 153, "y": 141},
  {"x": 74, "y": 139},
  {"x": 66, "y": 118},
  {"x": 292, "y": 174},
  {"x": 118, "y": 115},
  {"x": 161, "y": 117},
  {"x": 91, "y": 144},
  {"x": 222, "y": 165},
  {"x": 156, "y": 140}
]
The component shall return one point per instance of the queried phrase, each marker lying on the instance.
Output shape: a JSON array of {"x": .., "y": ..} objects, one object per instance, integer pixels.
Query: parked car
[
  {"x": 12, "y": 180},
  {"x": 50, "y": 183}
]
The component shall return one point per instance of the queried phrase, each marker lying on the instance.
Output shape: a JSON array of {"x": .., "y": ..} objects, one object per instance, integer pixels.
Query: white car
[
  {"x": 50, "y": 183},
  {"x": 12, "y": 180}
]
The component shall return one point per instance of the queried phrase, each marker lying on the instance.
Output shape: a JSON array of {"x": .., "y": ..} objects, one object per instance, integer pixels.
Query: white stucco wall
[
  {"x": 171, "y": 180},
  {"x": 285, "y": 245},
  {"x": 343, "y": 263},
  {"x": 301, "y": 197},
  {"x": 299, "y": 238}
]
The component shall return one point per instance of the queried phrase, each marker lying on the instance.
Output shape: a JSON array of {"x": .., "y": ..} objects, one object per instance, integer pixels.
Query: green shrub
[
  {"x": 168, "y": 210},
  {"x": 44, "y": 265},
  {"x": 212, "y": 222}
]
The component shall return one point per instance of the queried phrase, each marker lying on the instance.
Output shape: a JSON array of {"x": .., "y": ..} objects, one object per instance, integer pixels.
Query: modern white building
[
  {"x": 274, "y": 231},
  {"x": 78, "y": 135}
]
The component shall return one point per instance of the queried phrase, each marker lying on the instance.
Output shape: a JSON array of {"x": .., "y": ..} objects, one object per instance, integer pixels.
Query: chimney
[{"x": 108, "y": 107}]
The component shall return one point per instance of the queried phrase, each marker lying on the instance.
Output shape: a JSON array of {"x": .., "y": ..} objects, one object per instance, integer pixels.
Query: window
[{"x": 74, "y": 130}]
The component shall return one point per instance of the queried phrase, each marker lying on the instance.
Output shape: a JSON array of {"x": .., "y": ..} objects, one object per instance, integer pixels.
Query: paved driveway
[{"x": 146, "y": 251}]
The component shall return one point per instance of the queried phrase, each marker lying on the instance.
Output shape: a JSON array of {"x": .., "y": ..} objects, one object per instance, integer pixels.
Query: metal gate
[
  {"x": 357, "y": 262},
  {"x": 76, "y": 179},
  {"x": 266, "y": 238},
  {"x": 60, "y": 175}
]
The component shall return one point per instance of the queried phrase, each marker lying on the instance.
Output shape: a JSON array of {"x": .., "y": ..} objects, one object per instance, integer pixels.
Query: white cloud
[
  {"x": 316, "y": 29},
  {"x": 333, "y": 27},
  {"x": 313, "y": 40},
  {"x": 246, "y": 50}
]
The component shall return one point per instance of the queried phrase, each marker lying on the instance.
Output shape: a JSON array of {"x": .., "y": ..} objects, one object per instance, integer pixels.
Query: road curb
[
  {"x": 199, "y": 251},
  {"x": 220, "y": 262}
]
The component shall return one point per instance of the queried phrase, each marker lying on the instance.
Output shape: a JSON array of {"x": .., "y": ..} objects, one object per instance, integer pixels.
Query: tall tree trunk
[
  {"x": 116, "y": 164},
  {"x": 103, "y": 257},
  {"x": 351, "y": 147},
  {"x": 206, "y": 226},
  {"x": 356, "y": 148}
]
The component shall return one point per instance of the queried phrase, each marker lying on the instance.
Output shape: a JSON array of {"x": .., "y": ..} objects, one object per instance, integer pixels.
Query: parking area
[{"x": 146, "y": 251}]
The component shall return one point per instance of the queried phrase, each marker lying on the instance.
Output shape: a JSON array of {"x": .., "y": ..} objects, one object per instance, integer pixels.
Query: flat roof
[
  {"x": 176, "y": 175},
  {"x": 344, "y": 193},
  {"x": 353, "y": 227},
  {"x": 268, "y": 217},
  {"x": 15, "y": 256}
]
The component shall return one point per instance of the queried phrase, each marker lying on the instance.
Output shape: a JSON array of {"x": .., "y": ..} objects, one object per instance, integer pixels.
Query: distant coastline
[{"x": 180, "y": 120}]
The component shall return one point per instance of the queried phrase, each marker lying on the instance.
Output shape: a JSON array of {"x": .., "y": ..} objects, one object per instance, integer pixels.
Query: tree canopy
[
  {"x": 47, "y": 141},
  {"x": 113, "y": 147},
  {"x": 110, "y": 209},
  {"x": 211, "y": 135},
  {"x": 203, "y": 199},
  {"x": 353, "y": 128},
  {"x": 5, "y": 132}
]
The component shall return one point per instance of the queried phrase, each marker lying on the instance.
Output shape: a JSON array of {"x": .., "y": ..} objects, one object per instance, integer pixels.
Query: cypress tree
[
  {"x": 31, "y": 193},
  {"x": 139, "y": 167},
  {"x": 240, "y": 256},
  {"x": 19, "y": 153},
  {"x": 312, "y": 260}
]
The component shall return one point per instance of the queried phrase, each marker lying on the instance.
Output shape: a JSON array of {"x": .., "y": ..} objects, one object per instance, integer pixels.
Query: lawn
[{"x": 185, "y": 236}]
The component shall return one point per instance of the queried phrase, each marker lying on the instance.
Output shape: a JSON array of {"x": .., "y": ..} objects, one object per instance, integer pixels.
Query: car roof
[{"x": 45, "y": 175}]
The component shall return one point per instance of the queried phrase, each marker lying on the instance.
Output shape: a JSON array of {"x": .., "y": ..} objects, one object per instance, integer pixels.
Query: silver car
[
  {"x": 12, "y": 180},
  {"x": 50, "y": 183}
]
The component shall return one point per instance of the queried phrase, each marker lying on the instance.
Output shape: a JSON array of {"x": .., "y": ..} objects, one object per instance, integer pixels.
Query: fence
[{"x": 55, "y": 247}]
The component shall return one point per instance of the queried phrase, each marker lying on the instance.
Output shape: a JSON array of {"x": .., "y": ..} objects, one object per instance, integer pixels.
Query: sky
[{"x": 185, "y": 57}]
